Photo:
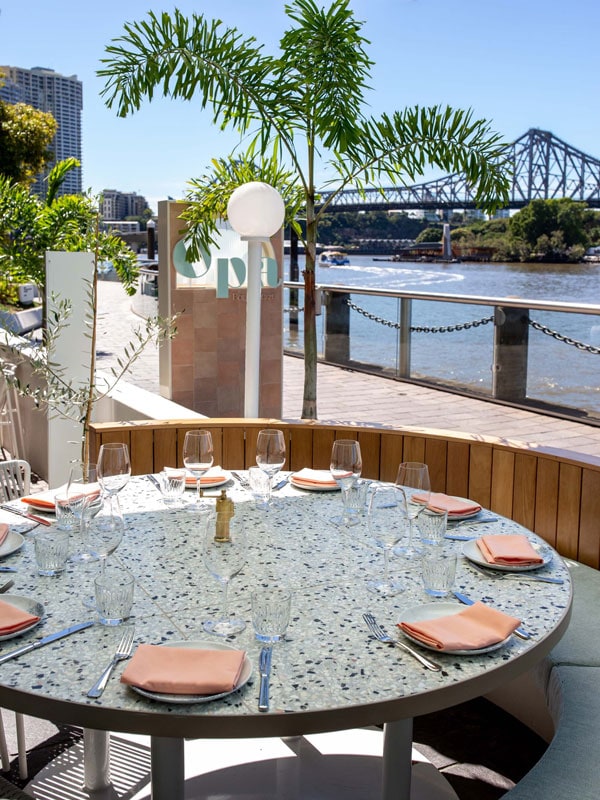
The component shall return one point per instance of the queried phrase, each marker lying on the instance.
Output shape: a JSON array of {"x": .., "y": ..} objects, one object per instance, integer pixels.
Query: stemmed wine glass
[
  {"x": 388, "y": 522},
  {"x": 413, "y": 477},
  {"x": 82, "y": 488},
  {"x": 345, "y": 467},
  {"x": 102, "y": 529},
  {"x": 198, "y": 458},
  {"x": 224, "y": 556},
  {"x": 270, "y": 454},
  {"x": 114, "y": 467}
]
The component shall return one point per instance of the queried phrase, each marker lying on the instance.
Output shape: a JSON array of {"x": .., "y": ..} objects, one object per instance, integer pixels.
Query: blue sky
[{"x": 519, "y": 63}]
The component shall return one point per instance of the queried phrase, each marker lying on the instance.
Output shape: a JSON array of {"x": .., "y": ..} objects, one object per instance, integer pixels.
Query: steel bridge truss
[{"x": 544, "y": 168}]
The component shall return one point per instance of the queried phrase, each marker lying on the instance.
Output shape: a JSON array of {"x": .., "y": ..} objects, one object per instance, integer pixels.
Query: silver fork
[
  {"x": 122, "y": 652},
  {"x": 380, "y": 634},
  {"x": 515, "y": 576}
]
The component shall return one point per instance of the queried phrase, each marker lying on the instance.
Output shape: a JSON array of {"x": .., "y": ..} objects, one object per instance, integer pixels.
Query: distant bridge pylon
[{"x": 543, "y": 166}]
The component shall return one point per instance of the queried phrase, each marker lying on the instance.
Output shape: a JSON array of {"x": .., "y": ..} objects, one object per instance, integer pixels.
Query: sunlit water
[{"x": 557, "y": 373}]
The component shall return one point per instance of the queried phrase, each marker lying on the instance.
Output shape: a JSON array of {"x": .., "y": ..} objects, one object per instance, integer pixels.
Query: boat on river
[{"x": 333, "y": 257}]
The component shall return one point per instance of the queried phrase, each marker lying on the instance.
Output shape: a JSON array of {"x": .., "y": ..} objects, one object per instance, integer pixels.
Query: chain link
[
  {"x": 443, "y": 329},
  {"x": 588, "y": 348}
]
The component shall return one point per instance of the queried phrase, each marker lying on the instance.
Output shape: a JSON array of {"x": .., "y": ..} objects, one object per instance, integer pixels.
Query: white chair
[
  {"x": 15, "y": 481},
  {"x": 11, "y": 428}
]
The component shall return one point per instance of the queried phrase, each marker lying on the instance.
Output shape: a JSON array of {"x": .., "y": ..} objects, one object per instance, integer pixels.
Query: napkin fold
[
  {"x": 471, "y": 629},
  {"x": 508, "y": 549},
  {"x": 210, "y": 477},
  {"x": 439, "y": 501},
  {"x": 13, "y": 619},
  {"x": 313, "y": 477},
  {"x": 46, "y": 499},
  {"x": 4, "y": 530},
  {"x": 184, "y": 670}
]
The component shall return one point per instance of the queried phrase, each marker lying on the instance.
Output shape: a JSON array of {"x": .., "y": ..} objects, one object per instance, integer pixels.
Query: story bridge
[{"x": 543, "y": 168}]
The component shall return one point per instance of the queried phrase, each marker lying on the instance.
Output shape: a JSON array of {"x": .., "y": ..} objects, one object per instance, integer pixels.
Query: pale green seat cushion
[
  {"x": 570, "y": 767},
  {"x": 580, "y": 646}
]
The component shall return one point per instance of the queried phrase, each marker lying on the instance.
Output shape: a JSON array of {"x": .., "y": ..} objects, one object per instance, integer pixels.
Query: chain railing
[
  {"x": 464, "y": 326},
  {"x": 588, "y": 348}
]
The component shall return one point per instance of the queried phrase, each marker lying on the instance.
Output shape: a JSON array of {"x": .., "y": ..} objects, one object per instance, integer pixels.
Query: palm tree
[{"x": 304, "y": 105}]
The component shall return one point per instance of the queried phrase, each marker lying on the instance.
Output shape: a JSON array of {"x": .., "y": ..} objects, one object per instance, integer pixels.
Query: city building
[
  {"x": 119, "y": 205},
  {"x": 62, "y": 96}
]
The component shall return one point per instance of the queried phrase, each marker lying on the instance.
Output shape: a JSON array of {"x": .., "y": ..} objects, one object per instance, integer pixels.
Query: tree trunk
[{"x": 309, "y": 403}]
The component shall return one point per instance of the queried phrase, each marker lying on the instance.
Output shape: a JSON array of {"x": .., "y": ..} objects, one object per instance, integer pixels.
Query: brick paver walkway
[{"x": 347, "y": 396}]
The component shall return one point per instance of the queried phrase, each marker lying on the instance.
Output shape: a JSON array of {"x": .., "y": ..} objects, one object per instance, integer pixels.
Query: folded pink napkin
[
  {"x": 4, "y": 530},
  {"x": 444, "y": 502},
  {"x": 471, "y": 629},
  {"x": 210, "y": 477},
  {"x": 314, "y": 477},
  {"x": 46, "y": 499},
  {"x": 13, "y": 619},
  {"x": 184, "y": 670},
  {"x": 509, "y": 549}
]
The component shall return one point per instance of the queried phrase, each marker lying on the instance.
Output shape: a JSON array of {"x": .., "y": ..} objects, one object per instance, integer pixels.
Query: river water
[{"x": 558, "y": 373}]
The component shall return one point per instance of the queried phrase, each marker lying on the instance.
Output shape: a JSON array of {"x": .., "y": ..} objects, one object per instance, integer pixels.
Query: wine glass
[
  {"x": 198, "y": 458},
  {"x": 102, "y": 529},
  {"x": 82, "y": 487},
  {"x": 345, "y": 467},
  {"x": 270, "y": 454},
  {"x": 224, "y": 556},
  {"x": 114, "y": 467},
  {"x": 413, "y": 477},
  {"x": 388, "y": 522}
]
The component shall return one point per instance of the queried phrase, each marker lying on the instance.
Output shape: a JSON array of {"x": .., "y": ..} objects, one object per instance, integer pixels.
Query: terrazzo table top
[{"x": 329, "y": 673}]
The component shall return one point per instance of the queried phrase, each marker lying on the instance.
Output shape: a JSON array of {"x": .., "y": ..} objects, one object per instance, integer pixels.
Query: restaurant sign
[{"x": 224, "y": 265}]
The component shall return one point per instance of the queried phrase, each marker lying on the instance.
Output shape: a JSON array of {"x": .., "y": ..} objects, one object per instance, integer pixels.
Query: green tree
[
  {"x": 430, "y": 235},
  {"x": 298, "y": 106},
  {"x": 25, "y": 138}
]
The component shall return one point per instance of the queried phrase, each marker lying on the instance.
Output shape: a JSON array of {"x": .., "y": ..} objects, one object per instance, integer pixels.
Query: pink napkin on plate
[
  {"x": 46, "y": 499},
  {"x": 313, "y": 477},
  {"x": 13, "y": 619},
  {"x": 439, "y": 501},
  {"x": 471, "y": 629},
  {"x": 508, "y": 549},
  {"x": 210, "y": 477},
  {"x": 4, "y": 530},
  {"x": 184, "y": 670}
]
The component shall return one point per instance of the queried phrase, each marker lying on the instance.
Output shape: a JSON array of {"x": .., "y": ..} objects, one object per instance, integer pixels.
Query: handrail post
[
  {"x": 337, "y": 328},
  {"x": 511, "y": 339},
  {"x": 404, "y": 337}
]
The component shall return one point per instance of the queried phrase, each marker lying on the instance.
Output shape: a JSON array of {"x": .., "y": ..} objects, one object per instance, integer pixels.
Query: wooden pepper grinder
[{"x": 225, "y": 511}]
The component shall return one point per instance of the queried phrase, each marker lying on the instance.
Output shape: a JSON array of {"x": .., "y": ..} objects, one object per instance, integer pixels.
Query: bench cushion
[
  {"x": 580, "y": 646},
  {"x": 570, "y": 767}
]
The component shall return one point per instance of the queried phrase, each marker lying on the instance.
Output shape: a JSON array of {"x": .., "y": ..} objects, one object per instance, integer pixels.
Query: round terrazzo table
[{"x": 329, "y": 675}]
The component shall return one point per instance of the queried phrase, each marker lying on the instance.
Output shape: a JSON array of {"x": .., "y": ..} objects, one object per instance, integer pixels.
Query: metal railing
[{"x": 519, "y": 351}]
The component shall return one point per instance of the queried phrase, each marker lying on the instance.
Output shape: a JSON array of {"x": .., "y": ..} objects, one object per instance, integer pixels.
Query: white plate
[
  {"x": 315, "y": 487},
  {"x": 25, "y": 604},
  {"x": 474, "y": 554},
  {"x": 434, "y": 611},
  {"x": 12, "y": 543},
  {"x": 188, "y": 699}
]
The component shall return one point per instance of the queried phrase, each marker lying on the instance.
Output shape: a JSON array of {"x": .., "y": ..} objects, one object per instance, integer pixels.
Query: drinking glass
[
  {"x": 413, "y": 478},
  {"x": 345, "y": 467},
  {"x": 198, "y": 458},
  {"x": 224, "y": 556},
  {"x": 388, "y": 523},
  {"x": 270, "y": 453},
  {"x": 102, "y": 528},
  {"x": 114, "y": 467},
  {"x": 271, "y": 608}
]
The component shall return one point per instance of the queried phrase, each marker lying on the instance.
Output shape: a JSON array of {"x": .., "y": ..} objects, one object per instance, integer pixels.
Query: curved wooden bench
[{"x": 554, "y": 493}]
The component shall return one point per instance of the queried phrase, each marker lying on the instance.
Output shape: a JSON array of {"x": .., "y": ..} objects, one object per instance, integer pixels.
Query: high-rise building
[
  {"x": 119, "y": 205},
  {"x": 61, "y": 95}
]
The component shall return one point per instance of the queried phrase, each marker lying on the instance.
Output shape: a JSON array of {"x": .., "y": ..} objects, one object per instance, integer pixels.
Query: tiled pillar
[{"x": 202, "y": 368}]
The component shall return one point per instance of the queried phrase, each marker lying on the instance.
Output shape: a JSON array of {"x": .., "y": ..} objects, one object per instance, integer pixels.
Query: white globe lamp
[{"x": 256, "y": 212}]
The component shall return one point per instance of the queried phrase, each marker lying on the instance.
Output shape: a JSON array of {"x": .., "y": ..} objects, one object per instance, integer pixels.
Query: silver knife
[
  {"x": 52, "y": 637},
  {"x": 27, "y": 515},
  {"x": 155, "y": 482},
  {"x": 520, "y": 632},
  {"x": 264, "y": 668},
  {"x": 281, "y": 484}
]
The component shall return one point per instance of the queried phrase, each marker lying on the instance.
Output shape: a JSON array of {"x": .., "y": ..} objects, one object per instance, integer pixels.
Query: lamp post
[{"x": 256, "y": 212}]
